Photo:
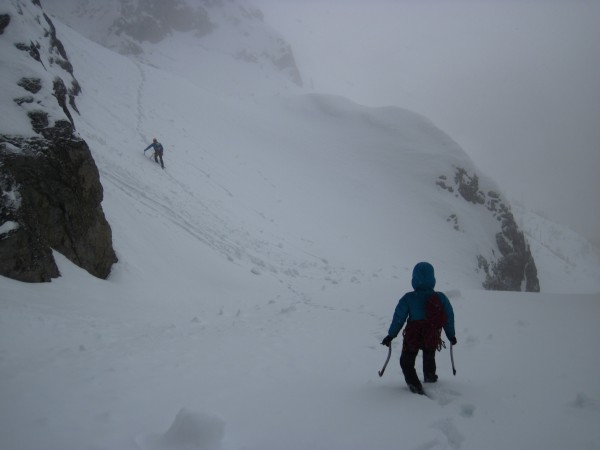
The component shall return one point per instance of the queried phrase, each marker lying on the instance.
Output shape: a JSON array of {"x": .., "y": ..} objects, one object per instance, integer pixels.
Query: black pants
[
  {"x": 159, "y": 155},
  {"x": 407, "y": 363}
]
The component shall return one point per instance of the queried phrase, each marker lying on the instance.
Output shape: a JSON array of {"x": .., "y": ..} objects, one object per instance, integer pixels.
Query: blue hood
[{"x": 423, "y": 277}]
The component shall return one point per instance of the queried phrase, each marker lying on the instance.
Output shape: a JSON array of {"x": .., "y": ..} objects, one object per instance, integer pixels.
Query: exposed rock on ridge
[
  {"x": 52, "y": 197},
  {"x": 4, "y": 21},
  {"x": 50, "y": 192},
  {"x": 514, "y": 268}
]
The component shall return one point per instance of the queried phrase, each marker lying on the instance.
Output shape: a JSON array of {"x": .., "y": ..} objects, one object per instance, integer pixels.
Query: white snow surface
[{"x": 258, "y": 274}]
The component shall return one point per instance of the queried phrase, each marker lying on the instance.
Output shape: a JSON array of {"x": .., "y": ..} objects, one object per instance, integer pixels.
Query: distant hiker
[
  {"x": 158, "y": 151},
  {"x": 427, "y": 312}
]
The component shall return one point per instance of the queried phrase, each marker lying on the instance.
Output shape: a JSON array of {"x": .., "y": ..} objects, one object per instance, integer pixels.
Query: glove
[
  {"x": 453, "y": 340},
  {"x": 387, "y": 341}
]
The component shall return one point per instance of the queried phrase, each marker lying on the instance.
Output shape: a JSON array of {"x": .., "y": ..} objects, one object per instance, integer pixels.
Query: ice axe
[
  {"x": 452, "y": 360},
  {"x": 386, "y": 361}
]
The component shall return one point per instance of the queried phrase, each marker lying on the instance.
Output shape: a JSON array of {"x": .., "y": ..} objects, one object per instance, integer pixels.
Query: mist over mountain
[{"x": 220, "y": 43}]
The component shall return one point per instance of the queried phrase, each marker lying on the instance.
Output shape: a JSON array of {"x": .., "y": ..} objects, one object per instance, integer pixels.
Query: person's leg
[
  {"x": 429, "y": 367},
  {"x": 407, "y": 363}
]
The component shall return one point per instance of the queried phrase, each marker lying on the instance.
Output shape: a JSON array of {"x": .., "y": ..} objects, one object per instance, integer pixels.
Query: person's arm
[
  {"x": 449, "y": 327},
  {"x": 400, "y": 316}
]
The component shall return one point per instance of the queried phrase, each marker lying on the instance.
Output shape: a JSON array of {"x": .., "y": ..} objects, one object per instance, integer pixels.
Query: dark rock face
[
  {"x": 4, "y": 21},
  {"x": 286, "y": 61},
  {"x": 32, "y": 85},
  {"x": 468, "y": 186},
  {"x": 514, "y": 269},
  {"x": 50, "y": 191},
  {"x": 24, "y": 255},
  {"x": 59, "y": 194}
]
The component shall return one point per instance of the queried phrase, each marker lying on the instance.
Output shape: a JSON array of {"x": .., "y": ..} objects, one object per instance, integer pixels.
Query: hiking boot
[
  {"x": 430, "y": 378},
  {"x": 416, "y": 389}
]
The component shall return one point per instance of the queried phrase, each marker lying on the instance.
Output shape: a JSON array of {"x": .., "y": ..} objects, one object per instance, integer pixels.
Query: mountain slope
[
  {"x": 315, "y": 173},
  {"x": 354, "y": 169},
  {"x": 560, "y": 250},
  {"x": 257, "y": 275},
  {"x": 220, "y": 45}
]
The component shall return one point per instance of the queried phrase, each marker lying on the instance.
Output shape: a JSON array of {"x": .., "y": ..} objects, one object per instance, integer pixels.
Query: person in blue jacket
[
  {"x": 158, "y": 152},
  {"x": 421, "y": 332}
]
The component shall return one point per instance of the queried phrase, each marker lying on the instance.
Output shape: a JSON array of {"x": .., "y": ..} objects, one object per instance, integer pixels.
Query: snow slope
[
  {"x": 241, "y": 56},
  {"x": 257, "y": 275},
  {"x": 352, "y": 188},
  {"x": 100, "y": 369},
  {"x": 558, "y": 249}
]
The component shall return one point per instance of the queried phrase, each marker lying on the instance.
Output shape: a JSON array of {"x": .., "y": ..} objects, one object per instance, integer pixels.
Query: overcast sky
[{"x": 515, "y": 83}]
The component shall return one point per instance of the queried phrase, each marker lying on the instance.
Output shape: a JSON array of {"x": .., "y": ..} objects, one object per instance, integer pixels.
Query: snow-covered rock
[{"x": 44, "y": 164}]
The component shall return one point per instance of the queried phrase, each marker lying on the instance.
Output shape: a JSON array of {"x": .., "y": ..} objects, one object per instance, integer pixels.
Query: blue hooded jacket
[{"x": 412, "y": 305}]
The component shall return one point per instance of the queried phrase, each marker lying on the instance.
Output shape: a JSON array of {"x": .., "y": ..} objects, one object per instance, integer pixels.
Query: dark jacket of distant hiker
[{"x": 158, "y": 152}]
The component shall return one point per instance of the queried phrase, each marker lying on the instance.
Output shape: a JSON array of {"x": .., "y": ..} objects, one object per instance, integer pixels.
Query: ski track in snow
[
  {"x": 217, "y": 234},
  {"x": 140, "y": 130},
  {"x": 185, "y": 209},
  {"x": 140, "y": 110}
]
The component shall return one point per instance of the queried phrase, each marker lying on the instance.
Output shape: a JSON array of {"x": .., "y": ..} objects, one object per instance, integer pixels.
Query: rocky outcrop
[
  {"x": 515, "y": 269},
  {"x": 4, "y": 21},
  {"x": 51, "y": 201},
  {"x": 50, "y": 191},
  {"x": 511, "y": 267}
]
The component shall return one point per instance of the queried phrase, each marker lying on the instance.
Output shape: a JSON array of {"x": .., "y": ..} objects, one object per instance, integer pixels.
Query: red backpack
[
  {"x": 427, "y": 333},
  {"x": 434, "y": 312}
]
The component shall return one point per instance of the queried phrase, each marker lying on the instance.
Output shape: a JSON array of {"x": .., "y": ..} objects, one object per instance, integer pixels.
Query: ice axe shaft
[
  {"x": 452, "y": 359},
  {"x": 386, "y": 361}
]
